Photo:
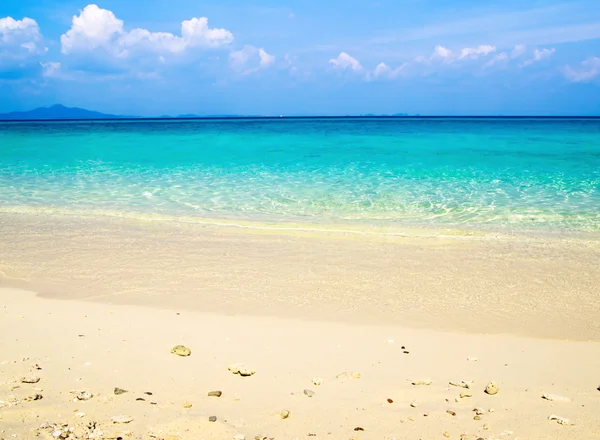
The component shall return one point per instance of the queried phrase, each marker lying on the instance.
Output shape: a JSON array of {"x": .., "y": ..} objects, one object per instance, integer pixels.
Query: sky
[{"x": 303, "y": 57}]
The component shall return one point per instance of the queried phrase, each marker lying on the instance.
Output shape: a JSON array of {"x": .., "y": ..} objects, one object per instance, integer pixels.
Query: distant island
[{"x": 57, "y": 112}]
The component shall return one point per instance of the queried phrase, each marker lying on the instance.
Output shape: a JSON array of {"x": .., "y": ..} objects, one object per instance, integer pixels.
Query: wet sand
[{"x": 484, "y": 283}]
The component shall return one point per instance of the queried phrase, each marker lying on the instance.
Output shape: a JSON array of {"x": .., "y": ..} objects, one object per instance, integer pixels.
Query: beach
[
  {"x": 115, "y": 296},
  {"x": 259, "y": 279}
]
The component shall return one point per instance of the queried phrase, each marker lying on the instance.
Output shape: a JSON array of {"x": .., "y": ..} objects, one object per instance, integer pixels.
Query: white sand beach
[{"x": 366, "y": 317}]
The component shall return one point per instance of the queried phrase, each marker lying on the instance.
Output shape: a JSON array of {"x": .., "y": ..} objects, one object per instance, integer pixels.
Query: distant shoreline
[{"x": 213, "y": 118}]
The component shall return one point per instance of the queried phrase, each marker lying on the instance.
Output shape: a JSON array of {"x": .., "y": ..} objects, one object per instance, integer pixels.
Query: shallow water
[{"x": 507, "y": 174}]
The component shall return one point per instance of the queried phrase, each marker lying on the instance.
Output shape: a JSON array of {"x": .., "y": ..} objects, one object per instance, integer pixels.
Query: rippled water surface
[{"x": 502, "y": 173}]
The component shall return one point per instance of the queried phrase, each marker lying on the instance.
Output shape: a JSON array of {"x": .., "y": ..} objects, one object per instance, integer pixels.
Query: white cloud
[
  {"x": 50, "y": 69},
  {"x": 500, "y": 58},
  {"x": 472, "y": 53},
  {"x": 518, "y": 50},
  {"x": 344, "y": 61},
  {"x": 383, "y": 71},
  {"x": 586, "y": 71},
  {"x": 442, "y": 52},
  {"x": 266, "y": 59},
  {"x": 538, "y": 55},
  {"x": 20, "y": 38},
  {"x": 250, "y": 59},
  {"x": 99, "y": 29}
]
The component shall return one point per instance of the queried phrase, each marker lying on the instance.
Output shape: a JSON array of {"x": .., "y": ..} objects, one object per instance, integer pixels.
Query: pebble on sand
[
  {"x": 239, "y": 437},
  {"x": 415, "y": 403},
  {"x": 284, "y": 414},
  {"x": 492, "y": 388},
  {"x": 30, "y": 379},
  {"x": 187, "y": 405},
  {"x": 465, "y": 394},
  {"x": 212, "y": 419},
  {"x": 560, "y": 420},
  {"x": 214, "y": 394},
  {"x": 462, "y": 384},
  {"x": 309, "y": 393},
  {"x": 181, "y": 350},
  {"x": 422, "y": 382},
  {"x": 241, "y": 369},
  {"x": 348, "y": 374},
  {"x": 121, "y": 419},
  {"x": 556, "y": 398},
  {"x": 317, "y": 381},
  {"x": 83, "y": 395},
  {"x": 118, "y": 391}
]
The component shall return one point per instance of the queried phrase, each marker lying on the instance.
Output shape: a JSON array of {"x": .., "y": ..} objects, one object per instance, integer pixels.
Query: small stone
[
  {"x": 284, "y": 414},
  {"x": 239, "y": 437},
  {"x": 119, "y": 391},
  {"x": 83, "y": 395},
  {"x": 181, "y": 350},
  {"x": 121, "y": 419},
  {"x": 556, "y": 398},
  {"x": 79, "y": 415},
  {"x": 214, "y": 394},
  {"x": 148, "y": 393},
  {"x": 452, "y": 413},
  {"x": 422, "y": 382},
  {"x": 241, "y": 369},
  {"x": 560, "y": 420},
  {"x": 358, "y": 428},
  {"x": 462, "y": 384},
  {"x": 477, "y": 418},
  {"x": 187, "y": 405},
  {"x": 390, "y": 401},
  {"x": 348, "y": 374},
  {"x": 309, "y": 393},
  {"x": 415, "y": 403},
  {"x": 478, "y": 411},
  {"x": 30, "y": 379},
  {"x": 36, "y": 396},
  {"x": 140, "y": 399},
  {"x": 472, "y": 359},
  {"x": 212, "y": 419},
  {"x": 465, "y": 394},
  {"x": 491, "y": 388},
  {"x": 447, "y": 434},
  {"x": 486, "y": 427},
  {"x": 317, "y": 381}
]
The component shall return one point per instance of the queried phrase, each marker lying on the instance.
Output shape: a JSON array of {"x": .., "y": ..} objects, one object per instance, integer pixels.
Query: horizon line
[{"x": 159, "y": 118}]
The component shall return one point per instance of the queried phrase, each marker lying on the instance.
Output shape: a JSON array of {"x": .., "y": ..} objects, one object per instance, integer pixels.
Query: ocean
[{"x": 490, "y": 174}]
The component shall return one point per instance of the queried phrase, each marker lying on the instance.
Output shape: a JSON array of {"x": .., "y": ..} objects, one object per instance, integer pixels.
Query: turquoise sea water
[{"x": 516, "y": 174}]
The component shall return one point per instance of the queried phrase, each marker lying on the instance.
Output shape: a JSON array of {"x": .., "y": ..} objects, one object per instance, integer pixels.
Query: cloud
[
  {"x": 50, "y": 69},
  {"x": 518, "y": 50},
  {"x": 383, "y": 71},
  {"x": 504, "y": 57},
  {"x": 20, "y": 38},
  {"x": 586, "y": 71},
  {"x": 250, "y": 59},
  {"x": 344, "y": 61},
  {"x": 97, "y": 29},
  {"x": 266, "y": 59},
  {"x": 21, "y": 45},
  {"x": 441, "y": 52},
  {"x": 472, "y": 53},
  {"x": 538, "y": 55}
]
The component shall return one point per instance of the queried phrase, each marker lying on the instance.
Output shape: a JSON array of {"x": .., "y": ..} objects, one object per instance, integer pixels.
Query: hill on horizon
[{"x": 57, "y": 112}]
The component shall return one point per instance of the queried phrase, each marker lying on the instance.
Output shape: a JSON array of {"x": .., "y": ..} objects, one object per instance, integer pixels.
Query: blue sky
[{"x": 334, "y": 57}]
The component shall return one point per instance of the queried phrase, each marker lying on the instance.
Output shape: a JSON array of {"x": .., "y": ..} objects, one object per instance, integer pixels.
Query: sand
[
  {"x": 114, "y": 297},
  {"x": 97, "y": 347}
]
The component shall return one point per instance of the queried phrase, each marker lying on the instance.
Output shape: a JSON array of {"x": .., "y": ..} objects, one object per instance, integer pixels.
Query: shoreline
[
  {"x": 538, "y": 287},
  {"x": 97, "y": 347}
]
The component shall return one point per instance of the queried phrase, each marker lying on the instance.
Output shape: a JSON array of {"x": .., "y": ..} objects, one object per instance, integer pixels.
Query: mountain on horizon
[{"x": 57, "y": 112}]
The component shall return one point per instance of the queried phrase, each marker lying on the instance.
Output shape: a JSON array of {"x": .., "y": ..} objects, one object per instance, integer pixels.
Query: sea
[{"x": 496, "y": 174}]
